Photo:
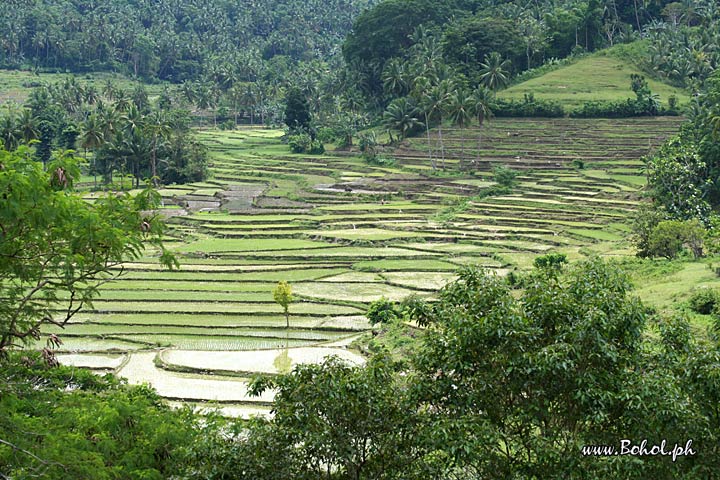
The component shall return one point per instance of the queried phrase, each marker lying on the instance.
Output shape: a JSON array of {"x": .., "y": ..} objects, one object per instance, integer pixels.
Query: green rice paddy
[{"x": 311, "y": 222}]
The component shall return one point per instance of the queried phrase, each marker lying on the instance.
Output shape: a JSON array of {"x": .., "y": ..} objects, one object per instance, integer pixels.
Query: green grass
[
  {"x": 16, "y": 85},
  {"x": 596, "y": 77},
  {"x": 355, "y": 292},
  {"x": 204, "y": 342},
  {"x": 666, "y": 290},
  {"x": 369, "y": 234},
  {"x": 103, "y": 329},
  {"x": 209, "y": 245},
  {"x": 272, "y": 276},
  {"x": 240, "y": 320},
  {"x": 596, "y": 234},
  {"x": 92, "y": 344},
  {"x": 147, "y": 286},
  {"x": 201, "y": 306},
  {"x": 214, "y": 296},
  {"x": 418, "y": 265},
  {"x": 420, "y": 280}
]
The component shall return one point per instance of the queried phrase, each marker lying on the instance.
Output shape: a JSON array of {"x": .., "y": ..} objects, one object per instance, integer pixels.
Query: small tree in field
[{"x": 283, "y": 297}]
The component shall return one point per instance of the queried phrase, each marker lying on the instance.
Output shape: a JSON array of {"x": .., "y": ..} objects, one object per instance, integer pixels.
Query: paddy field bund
[{"x": 344, "y": 233}]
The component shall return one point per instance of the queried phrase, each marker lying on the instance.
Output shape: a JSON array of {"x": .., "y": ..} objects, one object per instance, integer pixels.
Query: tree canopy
[{"x": 56, "y": 248}]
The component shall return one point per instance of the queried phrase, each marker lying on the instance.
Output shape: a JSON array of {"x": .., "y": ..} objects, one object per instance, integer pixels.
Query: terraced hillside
[{"x": 344, "y": 233}]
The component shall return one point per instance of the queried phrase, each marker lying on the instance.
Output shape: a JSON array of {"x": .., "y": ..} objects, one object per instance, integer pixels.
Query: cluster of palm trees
[
  {"x": 241, "y": 99},
  {"x": 17, "y": 127},
  {"x": 126, "y": 139},
  {"x": 685, "y": 54},
  {"x": 122, "y": 131},
  {"x": 430, "y": 93}
]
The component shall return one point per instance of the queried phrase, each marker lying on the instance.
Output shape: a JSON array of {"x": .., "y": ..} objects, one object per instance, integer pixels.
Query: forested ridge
[
  {"x": 173, "y": 40},
  {"x": 351, "y": 59}
]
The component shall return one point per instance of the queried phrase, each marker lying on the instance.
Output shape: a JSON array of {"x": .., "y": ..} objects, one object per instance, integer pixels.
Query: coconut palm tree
[
  {"x": 91, "y": 138},
  {"x": 421, "y": 91},
  {"x": 109, "y": 89},
  {"x": 206, "y": 99},
  {"x": 157, "y": 127},
  {"x": 400, "y": 116},
  {"x": 394, "y": 78},
  {"x": 9, "y": 132},
  {"x": 494, "y": 72},
  {"x": 482, "y": 98},
  {"x": 122, "y": 100},
  {"x": 436, "y": 100},
  {"x": 110, "y": 121},
  {"x": 460, "y": 111},
  {"x": 27, "y": 126}
]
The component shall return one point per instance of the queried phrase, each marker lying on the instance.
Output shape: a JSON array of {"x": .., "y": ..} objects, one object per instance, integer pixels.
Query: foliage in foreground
[
  {"x": 682, "y": 182},
  {"x": 499, "y": 388},
  {"x": 65, "y": 422},
  {"x": 56, "y": 248},
  {"x": 496, "y": 387}
]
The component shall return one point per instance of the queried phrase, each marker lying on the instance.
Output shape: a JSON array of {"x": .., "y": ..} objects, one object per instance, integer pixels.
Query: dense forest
[
  {"x": 510, "y": 375},
  {"x": 174, "y": 40},
  {"x": 245, "y": 55}
]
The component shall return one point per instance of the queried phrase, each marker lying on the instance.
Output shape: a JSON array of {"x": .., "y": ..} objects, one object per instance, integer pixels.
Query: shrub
[
  {"x": 227, "y": 125},
  {"x": 304, "y": 143},
  {"x": 382, "y": 311},
  {"x": 368, "y": 144},
  {"x": 316, "y": 148},
  {"x": 606, "y": 109},
  {"x": 703, "y": 301},
  {"x": 645, "y": 104},
  {"x": 300, "y": 142},
  {"x": 515, "y": 279},
  {"x": 667, "y": 239},
  {"x": 341, "y": 134},
  {"x": 416, "y": 308},
  {"x": 381, "y": 161},
  {"x": 645, "y": 220},
  {"x": 326, "y": 134},
  {"x": 504, "y": 176},
  {"x": 529, "y": 107},
  {"x": 551, "y": 260},
  {"x": 712, "y": 235}
]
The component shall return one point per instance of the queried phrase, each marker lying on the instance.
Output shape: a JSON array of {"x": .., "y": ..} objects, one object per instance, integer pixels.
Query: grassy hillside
[
  {"x": 16, "y": 85},
  {"x": 596, "y": 77}
]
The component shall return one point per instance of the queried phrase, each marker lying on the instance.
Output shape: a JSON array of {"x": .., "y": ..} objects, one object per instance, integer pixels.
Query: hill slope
[{"x": 596, "y": 77}]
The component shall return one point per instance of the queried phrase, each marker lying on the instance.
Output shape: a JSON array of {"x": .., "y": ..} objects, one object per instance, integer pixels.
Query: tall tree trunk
[
  {"x": 154, "y": 161},
  {"x": 442, "y": 145},
  {"x": 427, "y": 129},
  {"x": 479, "y": 145},
  {"x": 527, "y": 53},
  {"x": 637, "y": 17}
]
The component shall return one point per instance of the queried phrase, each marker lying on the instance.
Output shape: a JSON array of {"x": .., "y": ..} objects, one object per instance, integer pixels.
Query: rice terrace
[
  {"x": 344, "y": 233},
  {"x": 359, "y": 239}
]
